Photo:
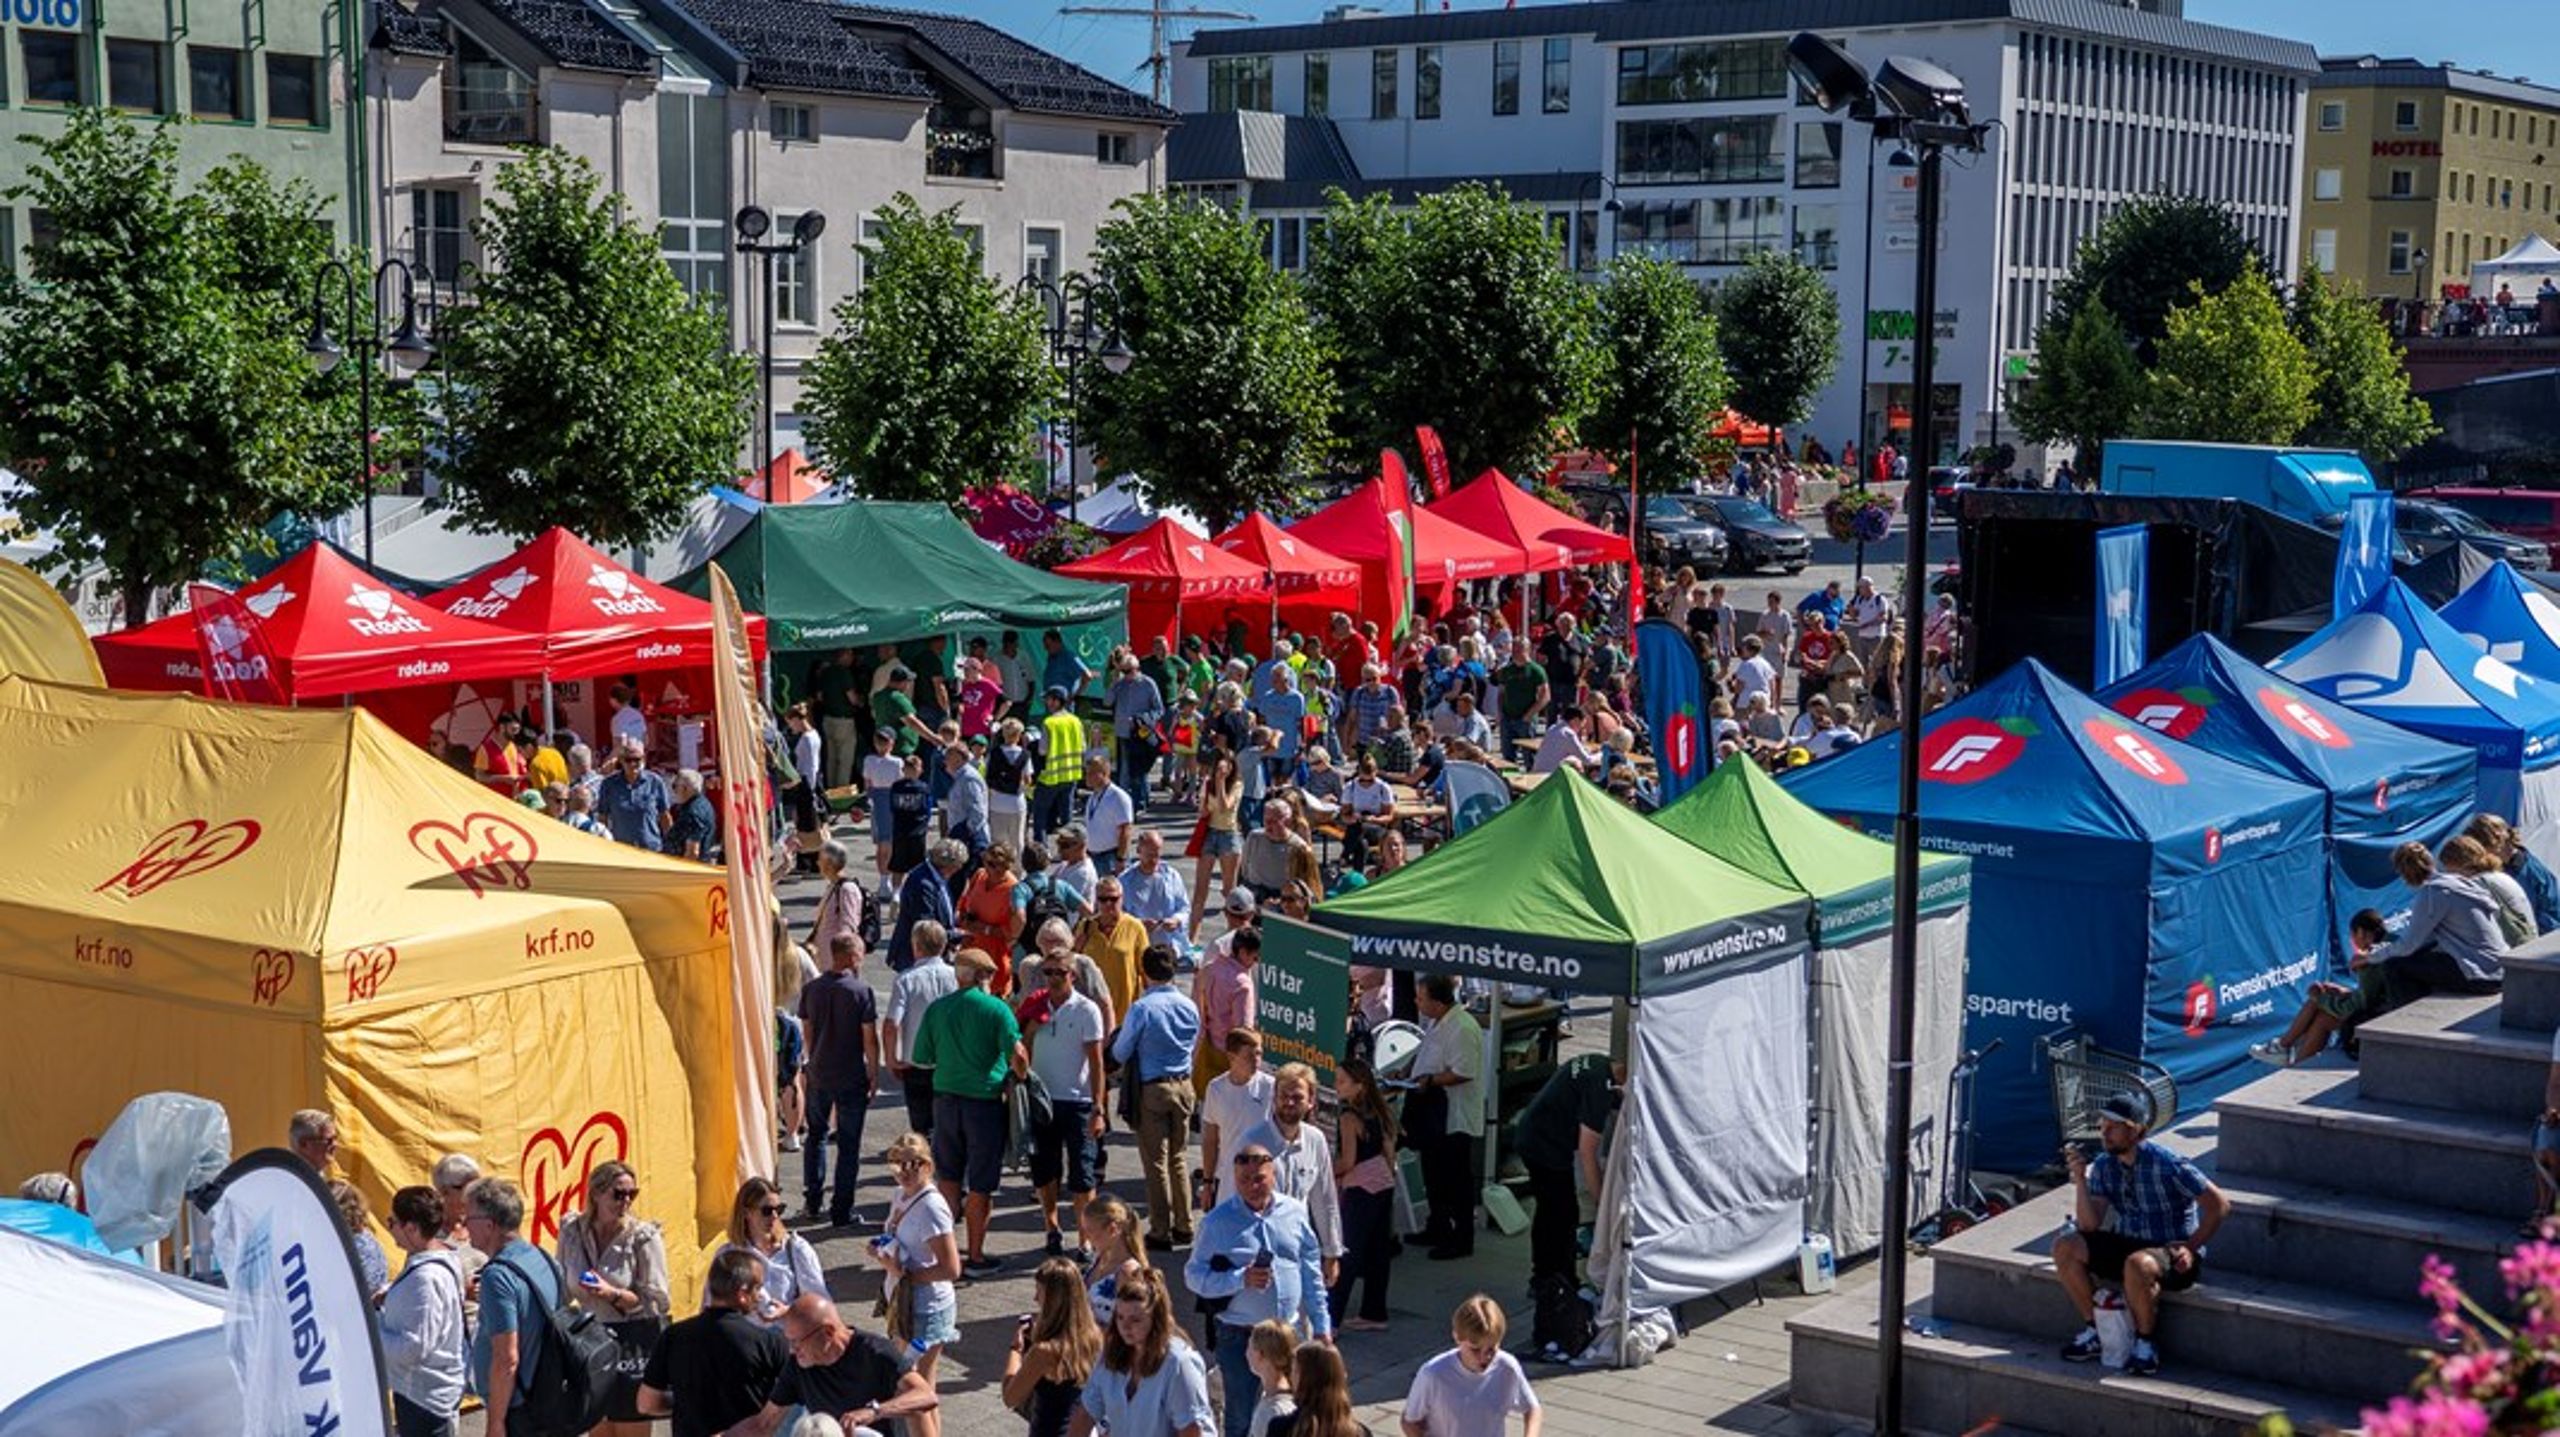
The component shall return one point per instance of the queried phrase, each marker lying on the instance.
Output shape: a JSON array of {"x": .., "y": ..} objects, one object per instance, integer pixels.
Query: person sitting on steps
[
  {"x": 2163, "y": 1212},
  {"x": 2333, "y": 1007}
]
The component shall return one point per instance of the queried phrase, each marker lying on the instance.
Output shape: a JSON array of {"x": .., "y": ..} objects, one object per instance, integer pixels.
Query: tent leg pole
[{"x": 550, "y": 714}]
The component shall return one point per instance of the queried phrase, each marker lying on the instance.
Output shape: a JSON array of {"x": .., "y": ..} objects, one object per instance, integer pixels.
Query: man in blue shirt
[
  {"x": 518, "y": 1290},
  {"x": 1826, "y": 600},
  {"x": 925, "y": 894},
  {"x": 634, "y": 803},
  {"x": 2164, "y": 1211},
  {"x": 1258, "y": 1253},
  {"x": 1157, "y": 1036},
  {"x": 1062, "y": 669}
]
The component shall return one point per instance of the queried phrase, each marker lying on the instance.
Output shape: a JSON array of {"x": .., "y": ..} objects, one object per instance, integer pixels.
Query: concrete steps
[
  {"x": 2310, "y": 1126},
  {"x": 2350, "y": 1243},
  {"x": 2532, "y": 997},
  {"x": 2457, "y": 1054}
]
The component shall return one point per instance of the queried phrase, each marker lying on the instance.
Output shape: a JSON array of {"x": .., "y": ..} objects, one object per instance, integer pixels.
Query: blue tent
[
  {"x": 2510, "y": 618},
  {"x": 2398, "y": 661},
  {"x": 2386, "y": 785},
  {"x": 2162, "y": 900}
]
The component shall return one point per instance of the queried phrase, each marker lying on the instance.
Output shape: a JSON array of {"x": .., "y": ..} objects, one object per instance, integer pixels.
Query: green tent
[
  {"x": 1569, "y": 888},
  {"x": 1742, "y": 816},
  {"x": 837, "y": 575}
]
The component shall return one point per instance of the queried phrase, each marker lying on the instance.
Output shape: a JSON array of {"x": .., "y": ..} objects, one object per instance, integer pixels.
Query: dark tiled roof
[
  {"x": 1260, "y": 146},
  {"x": 404, "y": 31},
  {"x": 576, "y": 34},
  {"x": 1022, "y": 76},
  {"x": 1634, "y": 21},
  {"x": 805, "y": 45},
  {"x": 2364, "y": 70}
]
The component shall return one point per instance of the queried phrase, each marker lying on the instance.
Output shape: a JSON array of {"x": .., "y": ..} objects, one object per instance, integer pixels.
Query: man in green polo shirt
[
  {"x": 972, "y": 1043},
  {"x": 1524, "y": 695},
  {"x": 893, "y": 709}
]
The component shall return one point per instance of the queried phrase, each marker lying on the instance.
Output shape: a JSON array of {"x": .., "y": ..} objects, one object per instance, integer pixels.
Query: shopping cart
[{"x": 2085, "y": 1076}]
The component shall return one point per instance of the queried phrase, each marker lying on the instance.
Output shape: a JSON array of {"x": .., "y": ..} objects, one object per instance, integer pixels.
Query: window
[
  {"x": 55, "y": 75},
  {"x": 1111, "y": 147},
  {"x": 2333, "y": 114},
  {"x": 960, "y": 137},
  {"x": 1717, "y": 70},
  {"x": 1043, "y": 259},
  {"x": 215, "y": 88},
  {"x": 1818, "y": 235},
  {"x": 1730, "y": 231},
  {"x": 2404, "y": 184},
  {"x": 693, "y": 191},
  {"x": 1382, "y": 84},
  {"x": 486, "y": 100},
  {"x": 1319, "y": 86},
  {"x": 2399, "y": 252},
  {"x": 1666, "y": 230},
  {"x": 137, "y": 73},
  {"x": 976, "y": 234},
  {"x": 1737, "y": 149},
  {"x": 1558, "y": 90},
  {"x": 1240, "y": 82},
  {"x": 2507, "y": 195},
  {"x": 862, "y": 254},
  {"x": 1426, "y": 82},
  {"x": 1506, "y": 77},
  {"x": 2328, "y": 182},
  {"x": 436, "y": 233},
  {"x": 794, "y": 124},
  {"x": 1818, "y": 155},
  {"x": 8, "y": 240},
  {"x": 42, "y": 232},
  {"x": 2324, "y": 251},
  {"x": 1292, "y": 239},
  {"x": 795, "y": 282},
  {"x": 2404, "y": 115}
]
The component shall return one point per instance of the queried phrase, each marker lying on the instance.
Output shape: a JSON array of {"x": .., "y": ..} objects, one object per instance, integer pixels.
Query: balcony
[{"x": 487, "y": 103}]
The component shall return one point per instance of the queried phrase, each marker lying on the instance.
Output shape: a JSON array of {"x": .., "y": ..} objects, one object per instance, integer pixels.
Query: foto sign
[
  {"x": 1302, "y": 994},
  {"x": 59, "y": 14}
]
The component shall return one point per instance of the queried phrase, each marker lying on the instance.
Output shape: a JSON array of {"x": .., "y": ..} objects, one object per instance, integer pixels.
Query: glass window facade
[
  {"x": 217, "y": 85},
  {"x": 1818, "y": 155},
  {"x": 1709, "y": 70},
  {"x": 693, "y": 191},
  {"x": 1721, "y": 150},
  {"x": 1240, "y": 82},
  {"x": 1426, "y": 82},
  {"x": 1506, "y": 77}
]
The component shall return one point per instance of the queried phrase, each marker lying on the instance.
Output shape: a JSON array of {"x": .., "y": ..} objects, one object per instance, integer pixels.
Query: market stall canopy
[
  {"x": 332, "y": 629},
  {"x": 790, "y": 479},
  {"x": 2397, "y": 660},
  {"x": 1741, "y": 815},
  {"x": 593, "y": 615},
  {"x": 2522, "y": 269},
  {"x": 1118, "y": 508},
  {"x": 1303, "y": 571},
  {"x": 1546, "y": 537},
  {"x": 1570, "y": 888},
  {"x": 1008, "y": 518},
  {"x": 98, "y": 1345},
  {"x": 833, "y": 575},
  {"x": 1357, "y": 528},
  {"x": 39, "y": 635},
  {"x": 1176, "y": 577},
  {"x": 2511, "y": 619}
]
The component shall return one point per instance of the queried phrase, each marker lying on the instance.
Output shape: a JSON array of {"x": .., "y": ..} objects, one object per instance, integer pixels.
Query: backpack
[
  {"x": 1561, "y": 1320},
  {"x": 1044, "y": 904},
  {"x": 575, "y": 1368}
]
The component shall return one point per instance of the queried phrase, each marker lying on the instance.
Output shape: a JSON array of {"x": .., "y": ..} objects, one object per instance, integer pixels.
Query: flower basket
[{"x": 1858, "y": 516}]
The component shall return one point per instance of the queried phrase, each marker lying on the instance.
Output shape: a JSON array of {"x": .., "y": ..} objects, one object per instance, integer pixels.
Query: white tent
[
  {"x": 98, "y": 1345},
  {"x": 2521, "y": 269},
  {"x": 1118, "y": 508}
]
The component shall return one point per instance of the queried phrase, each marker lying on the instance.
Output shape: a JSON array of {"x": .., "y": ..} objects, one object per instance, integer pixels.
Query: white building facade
[{"x": 1672, "y": 127}]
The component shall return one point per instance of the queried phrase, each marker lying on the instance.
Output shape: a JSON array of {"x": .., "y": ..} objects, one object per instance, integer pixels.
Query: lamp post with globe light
[
  {"x": 1067, "y": 307},
  {"x": 752, "y": 224},
  {"x": 407, "y": 349}
]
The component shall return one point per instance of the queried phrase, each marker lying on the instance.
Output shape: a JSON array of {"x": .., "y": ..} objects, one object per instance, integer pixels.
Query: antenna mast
[{"x": 1159, "y": 16}]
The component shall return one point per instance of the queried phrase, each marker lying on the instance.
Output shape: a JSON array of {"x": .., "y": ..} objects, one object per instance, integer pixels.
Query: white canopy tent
[
  {"x": 98, "y": 1345},
  {"x": 1118, "y": 508},
  {"x": 2521, "y": 269}
]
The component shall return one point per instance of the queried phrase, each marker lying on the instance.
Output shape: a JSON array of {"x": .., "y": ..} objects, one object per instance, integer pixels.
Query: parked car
[
  {"x": 1756, "y": 538},
  {"x": 2525, "y": 513},
  {"x": 1681, "y": 529},
  {"x": 2422, "y": 527}
]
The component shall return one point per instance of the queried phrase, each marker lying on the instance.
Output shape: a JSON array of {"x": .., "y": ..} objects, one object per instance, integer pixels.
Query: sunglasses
[
  {"x": 625, "y": 1194},
  {"x": 771, "y": 1209},
  {"x": 1056, "y": 972},
  {"x": 1252, "y": 1160}
]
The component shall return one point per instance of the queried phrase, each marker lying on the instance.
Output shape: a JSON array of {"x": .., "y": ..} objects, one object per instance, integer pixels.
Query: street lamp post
[
  {"x": 752, "y": 224},
  {"x": 2418, "y": 290},
  {"x": 1922, "y": 107},
  {"x": 406, "y": 348},
  {"x": 1073, "y": 337},
  {"x": 1577, "y": 258}
]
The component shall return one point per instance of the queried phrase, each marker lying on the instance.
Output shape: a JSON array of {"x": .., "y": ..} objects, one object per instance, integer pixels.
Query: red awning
[
  {"x": 1356, "y": 527},
  {"x": 1748, "y": 433},
  {"x": 1304, "y": 571},
  {"x": 592, "y": 615},
  {"x": 789, "y": 479},
  {"x": 1171, "y": 570},
  {"x": 333, "y": 629},
  {"x": 1546, "y": 537}
]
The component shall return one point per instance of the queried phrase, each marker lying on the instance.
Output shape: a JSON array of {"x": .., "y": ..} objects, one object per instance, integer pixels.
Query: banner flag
[
  {"x": 1635, "y": 546},
  {"x": 237, "y": 663},
  {"x": 1435, "y": 460},
  {"x": 748, "y": 799},
  {"x": 1674, "y": 698},
  {"x": 1302, "y": 994},
  {"x": 1400, "y": 516},
  {"x": 2365, "y": 543},
  {"x": 298, "y": 1320},
  {"x": 1476, "y": 793},
  {"x": 2124, "y": 601}
]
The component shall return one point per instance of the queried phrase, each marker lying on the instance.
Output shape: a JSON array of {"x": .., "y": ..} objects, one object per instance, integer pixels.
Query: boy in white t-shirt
[
  {"x": 880, "y": 769},
  {"x": 1235, "y": 1103},
  {"x": 1472, "y": 1389}
]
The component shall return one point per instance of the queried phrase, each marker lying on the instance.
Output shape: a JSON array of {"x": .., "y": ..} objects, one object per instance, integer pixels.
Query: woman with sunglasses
[
  {"x": 920, "y": 1252},
  {"x": 790, "y": 1263},
  {"x": 617, "y": 1265}
]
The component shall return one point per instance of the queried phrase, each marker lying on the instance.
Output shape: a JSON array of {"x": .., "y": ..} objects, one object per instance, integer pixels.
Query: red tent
[
  {"x": 333, "y": 629},
  {"x": 1311, "y": 583},
  {"x": 789, "y": 479},
  {"x": 1356, "y": 527},
  {"x": 1172, "y": 572},
  {"x": 592, "y": 615},
  {"x": 1746, "y": 433},
  {"x": 1546, "y": 537}
]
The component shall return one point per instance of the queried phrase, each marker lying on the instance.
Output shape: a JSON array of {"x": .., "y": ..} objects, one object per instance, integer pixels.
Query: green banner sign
[{"x": 1302, "y": 995}]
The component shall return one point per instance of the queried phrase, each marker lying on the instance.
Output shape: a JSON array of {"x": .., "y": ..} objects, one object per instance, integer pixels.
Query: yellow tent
[
  {"x": 39, "y": 635},
  {"x": 289, "y": 908}
]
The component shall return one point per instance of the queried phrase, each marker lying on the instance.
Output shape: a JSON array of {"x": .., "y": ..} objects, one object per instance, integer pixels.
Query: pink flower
[
  {"x": 2435, "y": 1415},
  {"x": 2436, "y": 1283},
  {"x": 2477, "y": 1374},
  {"x": 2532, "y": 1269}
]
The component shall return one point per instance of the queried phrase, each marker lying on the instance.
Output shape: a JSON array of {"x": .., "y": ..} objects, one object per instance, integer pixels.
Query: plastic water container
[
  {"x": 2114, "y": 1322},
  {"x": 1815, "y": 1270}
]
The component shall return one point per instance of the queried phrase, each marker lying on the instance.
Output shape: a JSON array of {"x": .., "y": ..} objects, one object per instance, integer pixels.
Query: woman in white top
[
  {"x": 919, "y": 1252},
  {"x": 1150, "y": 1383},
  {"x": 1110, "y": 1231},
  {"x": 423, "y": 1337},
  {"x": 616, "y": 1266},
  {"x": 1235, "y": 1103},
  {"x": 790, "y": 1263}
]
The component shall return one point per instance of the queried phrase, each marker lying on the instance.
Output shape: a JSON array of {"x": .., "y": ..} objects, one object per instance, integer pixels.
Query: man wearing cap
[
  {"x": 1061, "y": 764},
  {"x": 972, "y": 1042},
  {"x": 2163, "y": 1212},
  {"x": 964, "y": 806}
]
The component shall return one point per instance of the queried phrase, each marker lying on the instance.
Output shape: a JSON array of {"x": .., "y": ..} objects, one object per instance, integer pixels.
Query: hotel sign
[{"x": 2396, "y": 149}]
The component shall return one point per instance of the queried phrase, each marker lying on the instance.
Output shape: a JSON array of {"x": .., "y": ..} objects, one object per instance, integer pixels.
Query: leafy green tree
[
  {"x": 158, "y": 401},
  {"x": 935, "y": 376},
  {"x": 2230, "y": 370},
  {"x": 2087, "y": 388},
  {"x": 2362, "y": 401},
  {"x": 1779, "y": 325},
  {"x": 589, "y": 390},
  {"x": 1455, "y": 314},
  {"x": 1227, "y": 398},
  {"x": 1665, "y": 385},
  {"x": 2143, "y": 261}
]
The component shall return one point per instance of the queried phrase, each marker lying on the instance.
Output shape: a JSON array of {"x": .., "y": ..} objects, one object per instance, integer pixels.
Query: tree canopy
[
  {"x": 2087, "y": 387},
  {"x": 2230, "y": 370},
  {"x": 1779, "y": 326},
  {"x": 2362, "y": 400},
  {"x": 1664, "y": 387},
  {"x": 2144, "y": 261}
]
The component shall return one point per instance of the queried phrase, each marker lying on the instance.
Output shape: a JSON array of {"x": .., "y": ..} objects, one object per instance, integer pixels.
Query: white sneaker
[
  {"x": 2273, "y": 1052},
  {"x": 790, "y": 1143}
]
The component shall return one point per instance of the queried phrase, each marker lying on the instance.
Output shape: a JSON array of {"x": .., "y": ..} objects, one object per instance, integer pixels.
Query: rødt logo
[
  {"x": 2175, "y": 714},
  {"x": 270, "y": 973},
  {"x": 500, "y": 596},
  {"x": 485, "y": 851},
  {"x": 1971, "y": 750},
  {"x": 2294, "y": 714},
  {"x": 379, "y": 615},
  {"x": 182, "y": 850},
  {"x": 368, "y": 969},
  {"x": 555, "y": 1168},
  {"x": 621, "y": 597},
  {"x": 265, "y": 605},
  {"x": 2199, "y": 1006},
  {"x": 2128, "y": 747}
]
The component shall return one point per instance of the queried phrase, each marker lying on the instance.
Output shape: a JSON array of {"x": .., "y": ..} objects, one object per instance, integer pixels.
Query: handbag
[
  {"x": 633, "y": 1340},
  {"x": 1199, "y": 841}
]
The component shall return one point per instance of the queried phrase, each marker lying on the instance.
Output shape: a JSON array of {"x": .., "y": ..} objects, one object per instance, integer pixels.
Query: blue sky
[{"x": 2518, "y": 37}]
